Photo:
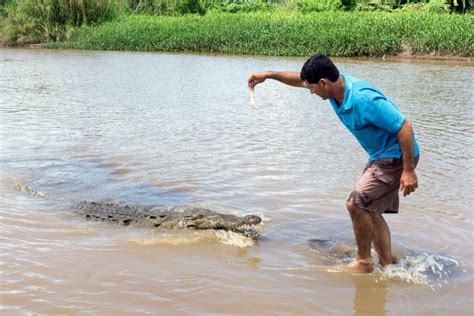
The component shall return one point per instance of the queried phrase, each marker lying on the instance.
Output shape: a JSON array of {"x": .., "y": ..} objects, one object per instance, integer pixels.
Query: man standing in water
[{"x": 384, "y": 133}]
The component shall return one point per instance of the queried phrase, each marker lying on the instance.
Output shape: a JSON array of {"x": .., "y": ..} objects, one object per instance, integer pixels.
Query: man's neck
[{"x": 339, "y": 87}]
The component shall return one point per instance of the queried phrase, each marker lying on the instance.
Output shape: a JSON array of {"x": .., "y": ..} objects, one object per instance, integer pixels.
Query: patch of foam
[
  {"x": 234, "y": 239},
  {"x": 423, "y": 268}
]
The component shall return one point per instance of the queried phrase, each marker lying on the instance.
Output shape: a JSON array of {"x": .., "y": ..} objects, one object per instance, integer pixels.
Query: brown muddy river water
[{"x": 169, "y": 129}]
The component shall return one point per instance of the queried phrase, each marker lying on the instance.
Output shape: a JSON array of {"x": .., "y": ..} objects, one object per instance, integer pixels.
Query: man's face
[{"x": 319, "y": 89}]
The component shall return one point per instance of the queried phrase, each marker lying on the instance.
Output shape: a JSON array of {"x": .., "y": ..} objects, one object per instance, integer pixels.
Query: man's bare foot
[{"x": 362, "y": 265}]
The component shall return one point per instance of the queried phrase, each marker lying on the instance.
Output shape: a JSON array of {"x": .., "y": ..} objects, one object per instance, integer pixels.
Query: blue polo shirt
[{"x": 372, "y": 118}]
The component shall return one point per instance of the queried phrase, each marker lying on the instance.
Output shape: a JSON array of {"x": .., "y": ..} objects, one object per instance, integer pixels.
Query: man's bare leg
[
  {"x": 364, "y": 228},
  {"x": 382, "y": 239}
]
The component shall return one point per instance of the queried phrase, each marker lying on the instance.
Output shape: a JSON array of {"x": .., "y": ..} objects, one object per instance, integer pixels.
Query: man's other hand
[{"x": 408, "y": 182}]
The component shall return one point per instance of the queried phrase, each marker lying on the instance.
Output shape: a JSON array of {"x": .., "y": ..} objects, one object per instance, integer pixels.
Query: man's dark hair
[{"x": 317, "y": 67}]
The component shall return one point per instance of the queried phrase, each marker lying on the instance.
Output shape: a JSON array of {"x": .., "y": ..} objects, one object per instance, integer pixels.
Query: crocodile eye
[
  {"x": 152, "y": 217},
  {"x": 162, "y": 215}
]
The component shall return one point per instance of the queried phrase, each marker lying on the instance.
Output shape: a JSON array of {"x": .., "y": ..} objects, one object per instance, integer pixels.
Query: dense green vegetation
[
  {"x": 30, "y": 21},
  {"x": 273, "y": 27},
  {"x": 296, "y": 34}
]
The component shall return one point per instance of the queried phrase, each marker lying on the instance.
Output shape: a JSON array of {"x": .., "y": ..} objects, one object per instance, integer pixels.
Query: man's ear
[{"x": 323, "y": 82}]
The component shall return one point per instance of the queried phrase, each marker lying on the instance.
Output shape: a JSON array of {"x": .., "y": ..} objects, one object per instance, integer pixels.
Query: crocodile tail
[{"x": 30, "y": 191}]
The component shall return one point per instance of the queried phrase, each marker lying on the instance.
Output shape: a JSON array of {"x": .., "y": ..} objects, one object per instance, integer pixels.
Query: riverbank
[
  {"x": 402, "y": 57},
  {"x": 292, "y": 34}
]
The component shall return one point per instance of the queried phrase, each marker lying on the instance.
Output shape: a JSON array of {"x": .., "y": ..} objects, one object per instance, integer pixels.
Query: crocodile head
[
  {"x": 207, "y": 219},
  {"x": 249, "y": 226}
]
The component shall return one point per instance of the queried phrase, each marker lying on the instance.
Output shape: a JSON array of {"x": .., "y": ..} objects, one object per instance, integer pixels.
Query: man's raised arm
[{"x": 290, "y": 78}]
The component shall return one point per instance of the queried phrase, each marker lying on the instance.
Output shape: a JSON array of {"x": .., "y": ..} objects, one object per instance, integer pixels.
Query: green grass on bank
[
  {"x": 40, "y": 21},
  {"x": 289, "y": 34}
]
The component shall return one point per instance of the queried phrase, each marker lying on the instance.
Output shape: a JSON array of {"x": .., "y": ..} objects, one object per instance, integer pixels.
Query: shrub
[
  {"x": 168, "y": 7},
  {"x": 32, "y": 21},
  {"x": 308, "y": 6}
]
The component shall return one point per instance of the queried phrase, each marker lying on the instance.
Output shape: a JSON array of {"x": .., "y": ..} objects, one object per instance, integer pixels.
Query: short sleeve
[{"x": 384, "y": 114}]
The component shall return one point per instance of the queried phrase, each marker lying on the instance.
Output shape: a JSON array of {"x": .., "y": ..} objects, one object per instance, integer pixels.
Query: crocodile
[
  {"x": 174, "y": 217},
  {"x": 195, "y": 217}
]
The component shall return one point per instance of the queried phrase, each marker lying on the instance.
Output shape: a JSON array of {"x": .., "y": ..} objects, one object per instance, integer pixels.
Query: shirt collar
[{"x": 347, "y": 103}]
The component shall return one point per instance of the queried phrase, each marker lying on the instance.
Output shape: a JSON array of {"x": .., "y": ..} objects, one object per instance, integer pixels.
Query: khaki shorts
[{"x": 377, "y": 190}]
